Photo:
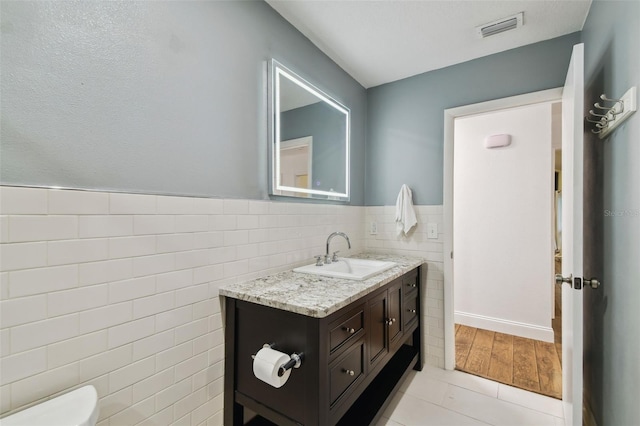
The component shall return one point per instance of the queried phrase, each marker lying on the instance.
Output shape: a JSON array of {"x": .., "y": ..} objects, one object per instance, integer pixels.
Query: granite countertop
[{"x": 313, "y": 295}]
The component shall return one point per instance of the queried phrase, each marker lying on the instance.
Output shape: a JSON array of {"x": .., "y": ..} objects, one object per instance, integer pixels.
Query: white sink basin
[{"x": 349, "y": 268}]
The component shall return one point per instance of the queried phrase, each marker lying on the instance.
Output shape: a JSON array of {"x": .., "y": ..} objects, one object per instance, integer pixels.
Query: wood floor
[{"x": 524, "y": 363}]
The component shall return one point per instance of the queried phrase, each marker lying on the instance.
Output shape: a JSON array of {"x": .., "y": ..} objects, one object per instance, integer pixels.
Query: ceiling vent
[{"x": 501, "y": 25}]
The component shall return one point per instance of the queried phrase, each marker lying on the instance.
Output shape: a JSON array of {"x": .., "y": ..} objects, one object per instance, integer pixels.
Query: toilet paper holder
[{"x": 295, "y": 360}]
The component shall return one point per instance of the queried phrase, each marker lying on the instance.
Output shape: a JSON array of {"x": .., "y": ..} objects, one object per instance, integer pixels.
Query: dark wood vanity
[{"x": 354, "y": 358}]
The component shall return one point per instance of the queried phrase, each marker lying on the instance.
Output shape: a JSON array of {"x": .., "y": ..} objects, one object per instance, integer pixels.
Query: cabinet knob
[
  {"x": 349, "y": 372},
  {"x": 413, "y": 311},
  {"x": 411, "y": 285},
  {"x": 391, "y": 321},
  {"x": 349, "y": 330}
]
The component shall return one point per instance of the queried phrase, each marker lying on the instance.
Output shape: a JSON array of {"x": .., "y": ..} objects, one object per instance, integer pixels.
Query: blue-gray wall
[
  {"x": 157, "y": 97},
  {"x": 611, "y": 35},
  {"x": 405, "y": 118}
]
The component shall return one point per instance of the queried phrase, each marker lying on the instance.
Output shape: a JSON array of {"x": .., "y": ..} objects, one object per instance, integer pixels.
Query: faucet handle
[
  {"x": 335, "y": 256},
  {"x": 318, "y": 260}
]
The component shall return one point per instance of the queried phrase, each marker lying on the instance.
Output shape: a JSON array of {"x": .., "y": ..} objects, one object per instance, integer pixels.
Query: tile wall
[{"x": 121, "y": 291}]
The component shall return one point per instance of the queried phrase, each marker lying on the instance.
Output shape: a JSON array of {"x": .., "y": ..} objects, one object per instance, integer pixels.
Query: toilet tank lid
[{"x": 76, "y": 408}]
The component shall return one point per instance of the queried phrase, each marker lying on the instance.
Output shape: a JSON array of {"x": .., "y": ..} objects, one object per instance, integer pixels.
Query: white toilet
[{"x": 76, "y": 408}]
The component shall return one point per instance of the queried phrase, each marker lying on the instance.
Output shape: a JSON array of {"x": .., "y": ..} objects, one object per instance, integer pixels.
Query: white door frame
[{"x": 449, "y": 116}]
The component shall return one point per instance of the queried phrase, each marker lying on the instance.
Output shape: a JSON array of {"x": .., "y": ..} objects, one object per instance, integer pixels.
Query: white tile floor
[{"x": 440, "y": 397}]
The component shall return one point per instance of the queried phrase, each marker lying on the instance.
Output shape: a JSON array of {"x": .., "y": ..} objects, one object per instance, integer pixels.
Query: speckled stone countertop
[{"x": 313, "y": 295}]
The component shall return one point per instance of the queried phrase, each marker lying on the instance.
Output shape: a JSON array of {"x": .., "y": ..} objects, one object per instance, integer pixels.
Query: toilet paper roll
[{"x": 266, "y": 365}]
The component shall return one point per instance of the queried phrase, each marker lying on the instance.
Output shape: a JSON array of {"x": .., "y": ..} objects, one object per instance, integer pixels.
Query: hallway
[
  {"x": 528, "y": 364},
  {"x": 524, "y": 363}
]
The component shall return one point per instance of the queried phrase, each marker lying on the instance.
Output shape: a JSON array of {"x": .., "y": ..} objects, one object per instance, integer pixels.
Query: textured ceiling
[{"x": 381, "y": 41}]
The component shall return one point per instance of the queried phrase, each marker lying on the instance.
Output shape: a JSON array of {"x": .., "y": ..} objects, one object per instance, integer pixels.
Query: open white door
[{"x": 572, "y": 169}]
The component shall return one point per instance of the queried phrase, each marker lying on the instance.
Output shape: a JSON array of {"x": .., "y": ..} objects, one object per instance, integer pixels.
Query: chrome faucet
[{"x": 327, "y": 258}]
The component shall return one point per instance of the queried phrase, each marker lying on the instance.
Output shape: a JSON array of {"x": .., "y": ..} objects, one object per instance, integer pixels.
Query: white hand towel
[{"x": 405, "y": 215}]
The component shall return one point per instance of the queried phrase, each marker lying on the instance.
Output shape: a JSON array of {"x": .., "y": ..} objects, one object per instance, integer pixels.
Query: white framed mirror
[{"x": 309, "y": 139}]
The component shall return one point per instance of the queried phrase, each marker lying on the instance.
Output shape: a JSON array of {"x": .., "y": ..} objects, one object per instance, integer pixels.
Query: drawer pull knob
[
  {"x": 349, "y": 372},
  {"x": 349, "y": 330},
  {"x": 391, "y": 321},
  {"x": 411, "y": 285},
  {"x": 413, "y": 311}
]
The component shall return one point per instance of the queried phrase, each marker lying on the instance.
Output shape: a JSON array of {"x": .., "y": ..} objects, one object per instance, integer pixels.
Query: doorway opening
[
  {"x": 528, "y": 364},
  {"x": 524, "y": 349}
]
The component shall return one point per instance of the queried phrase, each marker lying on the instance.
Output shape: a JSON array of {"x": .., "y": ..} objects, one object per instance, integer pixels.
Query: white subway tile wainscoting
[{"x": 121, "y": 291}]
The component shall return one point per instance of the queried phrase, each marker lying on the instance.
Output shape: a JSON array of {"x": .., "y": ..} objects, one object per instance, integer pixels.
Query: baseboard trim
[{"x": 500, "y": 325}]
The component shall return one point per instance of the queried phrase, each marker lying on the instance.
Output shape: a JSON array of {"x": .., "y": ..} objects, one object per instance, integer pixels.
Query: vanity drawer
[
  {"x": 346, "y": 371},
  {"x": 410, "y": 309},
  {"x": 410, "y": 284},
  {"x": 345, "y": 329}
]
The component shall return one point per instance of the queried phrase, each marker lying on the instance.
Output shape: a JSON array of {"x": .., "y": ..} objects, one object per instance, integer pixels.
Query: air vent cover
[{"x": 501, "y": 25}]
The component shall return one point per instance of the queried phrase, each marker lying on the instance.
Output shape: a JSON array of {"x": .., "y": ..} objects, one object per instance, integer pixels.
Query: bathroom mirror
[{"x": 309, "y": 139}]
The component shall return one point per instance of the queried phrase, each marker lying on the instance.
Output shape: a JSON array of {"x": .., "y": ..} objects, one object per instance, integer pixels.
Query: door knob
[
  {"x": 578, "y": 282},
  {"x": 593, "y": 283},
  {"x": 560, "y": 279}
]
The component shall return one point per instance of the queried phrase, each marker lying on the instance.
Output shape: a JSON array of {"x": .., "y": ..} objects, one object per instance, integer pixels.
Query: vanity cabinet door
[
  {"x": 377, "y": 332},
  {"x": 395, "y": 320},
  {"x": 386, "y": 321}
]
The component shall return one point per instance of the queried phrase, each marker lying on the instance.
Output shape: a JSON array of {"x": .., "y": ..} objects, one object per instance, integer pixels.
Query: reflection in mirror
[{"x": 310, "y": 139}]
